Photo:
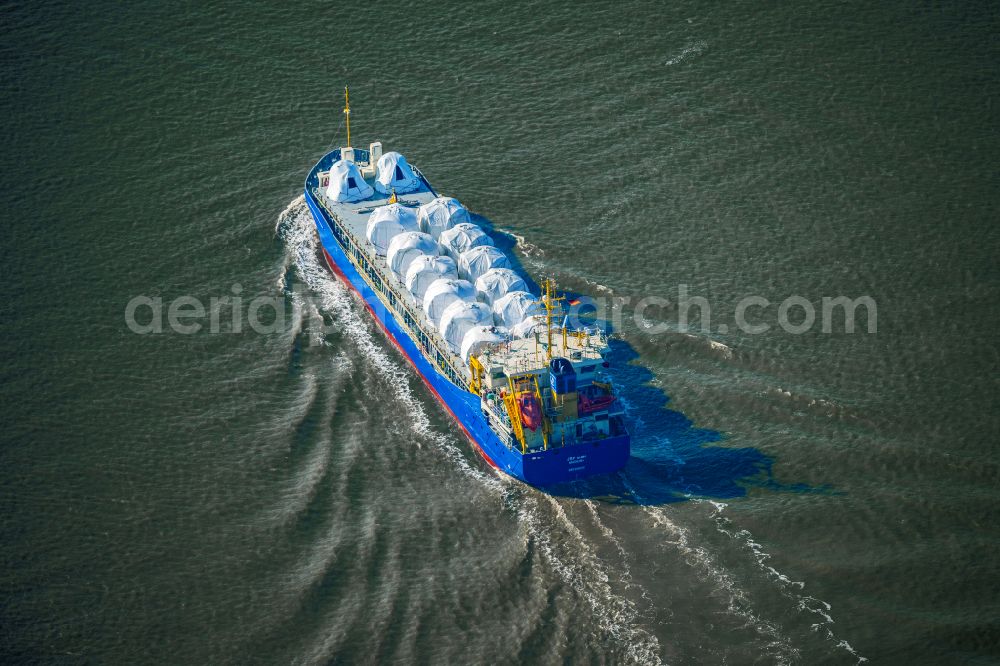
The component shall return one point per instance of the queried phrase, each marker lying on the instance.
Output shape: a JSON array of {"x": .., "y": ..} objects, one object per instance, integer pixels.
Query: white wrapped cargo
[
  {"x": 406, "y": 247},
  {"x": 462, "y": 238},
  {"x": 442, "y": 293},
  {"x": 479, "y": 338},
  {"x": 480, "y": 259},
  {"x": 387, "y": 222},
  {"x": 497, "y": 282},
  {"x": 513, "y": 307},
  {"x": 459, "y": 318},
  {"x": 395, "y": 173},
  {"x": 440, "y": 215},
  {"x": 347, "y": 184},
  {"x": 425, "y": 270},
  {"x": 528, "y": 327}
]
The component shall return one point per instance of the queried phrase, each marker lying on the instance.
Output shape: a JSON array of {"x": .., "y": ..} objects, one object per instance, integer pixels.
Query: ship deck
[
  {"x": 355, "y": 215},
  {"x": 528, "y": 355}
]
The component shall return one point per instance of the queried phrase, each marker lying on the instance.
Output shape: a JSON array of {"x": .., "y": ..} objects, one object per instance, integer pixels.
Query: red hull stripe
[{"x": 333, "y": 266}]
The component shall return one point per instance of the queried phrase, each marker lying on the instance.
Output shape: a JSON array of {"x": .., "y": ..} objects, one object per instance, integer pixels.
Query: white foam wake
[
  {"x": 331, "y": 297},
  {"x": 701, "y": 560},
  {"x": 579, "y": 568},
  {"x": 526, "y": 248},
  {"x": 790, "y": 588},
  {"x": 687, "y": 52}
]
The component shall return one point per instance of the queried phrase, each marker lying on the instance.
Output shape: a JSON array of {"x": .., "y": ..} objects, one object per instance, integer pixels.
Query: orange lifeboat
[{"x": 531, "y": 411}]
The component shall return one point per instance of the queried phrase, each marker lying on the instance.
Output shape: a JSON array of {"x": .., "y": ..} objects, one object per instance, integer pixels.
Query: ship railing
[
  {"x": 604, "y": 378},
  {"x": 595, "y": 334},
  {"x": 388, "y": 283},
  {"x": 505, "y": 436},
  {"x": 537, "y": 360},
  {"x": 519, "y": 364},
  {"x": 500, "y": 423},
  {"x": 498, "y": 414}
]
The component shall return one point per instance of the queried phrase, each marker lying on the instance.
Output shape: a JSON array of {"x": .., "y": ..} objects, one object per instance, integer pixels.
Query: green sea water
[{"x": 298, "y": 496}]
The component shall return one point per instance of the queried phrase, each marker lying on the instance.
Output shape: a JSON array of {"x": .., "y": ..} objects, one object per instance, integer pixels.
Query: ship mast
[
  {"x": 347, "y": 112},
  {"x": 550, "y": 304}
]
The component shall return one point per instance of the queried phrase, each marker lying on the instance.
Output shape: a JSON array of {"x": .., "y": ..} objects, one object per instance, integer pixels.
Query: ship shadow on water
[{"x": 672, "y": 460}]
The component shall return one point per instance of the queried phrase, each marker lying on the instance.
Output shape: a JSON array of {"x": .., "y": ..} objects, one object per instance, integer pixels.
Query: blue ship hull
[{"x": 555, "y": 465}]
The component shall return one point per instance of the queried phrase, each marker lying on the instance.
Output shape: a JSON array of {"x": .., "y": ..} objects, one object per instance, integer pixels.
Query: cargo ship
[{"x": 533, "y": 396}]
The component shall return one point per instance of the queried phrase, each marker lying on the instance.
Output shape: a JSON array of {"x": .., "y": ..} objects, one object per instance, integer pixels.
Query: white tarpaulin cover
[
  {"x": 480, "y": 337},
  {"x": 512, "y": 308},
  {"x": 425, "y": 270},
  {"x": 459, "y": 318},
  {"x": 395, "y": 173},
  {"x": 480, "y": 259},
  {"x": 386, "y": 222},
  {"x": 346, "y": 184},
  {"x": 441, "y": 214},
  {"x": 442, "y": 293},
  {"x": 529, "y": 326},
  {"x": 406, "y": 247},
  {"x": 497, "y": 282},
  {"x": 462, "y": 238}
]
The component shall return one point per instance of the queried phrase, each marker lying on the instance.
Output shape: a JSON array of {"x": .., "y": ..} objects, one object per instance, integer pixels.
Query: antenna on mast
[
  {"x": 347, "y": 112},
  {"x": 550, "y": 304}
]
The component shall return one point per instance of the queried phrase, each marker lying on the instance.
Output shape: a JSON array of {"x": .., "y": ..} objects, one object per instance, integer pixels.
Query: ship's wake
[
  {"x": 579, "y": 540},
  {"x": 540, "y": 516},
  {"x": 330, "y": 298}
]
